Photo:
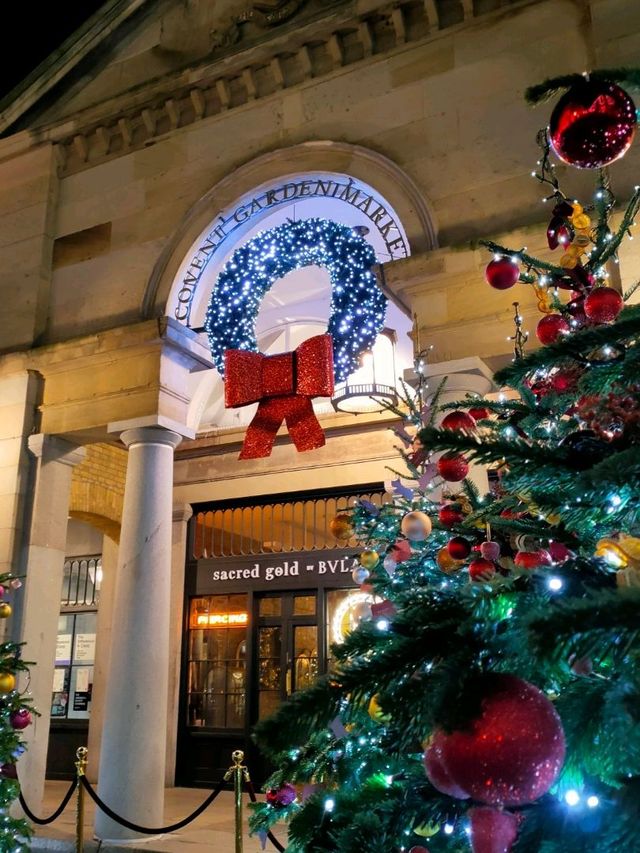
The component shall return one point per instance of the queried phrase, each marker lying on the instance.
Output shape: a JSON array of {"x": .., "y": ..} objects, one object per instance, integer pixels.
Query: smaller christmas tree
[{"x": 15, "y": 715}]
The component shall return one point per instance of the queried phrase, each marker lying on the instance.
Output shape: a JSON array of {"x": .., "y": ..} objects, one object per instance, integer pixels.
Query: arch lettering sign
[{"x": 346, "y": 191}]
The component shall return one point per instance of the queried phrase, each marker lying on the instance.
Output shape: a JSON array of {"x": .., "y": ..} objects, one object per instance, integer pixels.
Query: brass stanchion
[
  {"x": 81, "y": 766},
  {"x": 240, "y": 774}
]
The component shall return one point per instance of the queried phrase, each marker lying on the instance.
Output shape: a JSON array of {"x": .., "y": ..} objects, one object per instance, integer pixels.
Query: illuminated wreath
[{"x": 357, "y": 303}]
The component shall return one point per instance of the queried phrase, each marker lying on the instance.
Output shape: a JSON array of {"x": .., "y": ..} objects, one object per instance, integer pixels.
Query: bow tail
[
  {"x": 303, "y": 425},
  {"x": 261, "y": 434}
]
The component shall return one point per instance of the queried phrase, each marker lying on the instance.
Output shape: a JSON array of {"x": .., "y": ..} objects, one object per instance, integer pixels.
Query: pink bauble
[
  {"x": 436, "y": 771},
  {"x": 603, "y": 305},
  {"x": 20, "y": 719},
  {"x": 452, "y": 467},
  {"x": 481, "y": 569},
  {"x": 513, "y": 751},
  {"x": 282, "y": 796},
  {"x": 533, "y": 559},
  {"x": 502, "y": 273},
  {"x": 400, "y": 550},
  {"x": 551, "y": 328},
  {"x": 490, "y": 550},
  {"x": 459, "y": 420},
  {"x": 492, "y": 830}
]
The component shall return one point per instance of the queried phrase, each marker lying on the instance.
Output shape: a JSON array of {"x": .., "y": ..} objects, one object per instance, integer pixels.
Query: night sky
[{"x": 35, "y": 32}]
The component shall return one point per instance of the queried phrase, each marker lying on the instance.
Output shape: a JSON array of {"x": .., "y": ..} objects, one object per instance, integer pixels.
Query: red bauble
[
  {"x": 8, "y": 771},
  {"x": 479, "y": 413},
  {"x": 502, "y": 273},
  {"x": 512, "y": 752},
  {"x": 552, "y": 327},
  {"x": 559, "y": 552},
  {"x": 20, "y": 719},
  {"x": 603, "y": 305},
  {"x": 436, "y": 771},
  {"x": 533, "y": 559},
  {"x": 481, "y": 569},
  {"x": 459, "y": 420},
  {"x": 592, "y": 124},
  {"x": 282, "y": 796},
  {"x": 400, "y": 550},
  {"x": 459, "y": 548},
  {"x": 419, "y": 849},
  {"x": 453, "y": 467},
  {"x": 492, "y": 830},
  {"x": 450, "y": 514}
]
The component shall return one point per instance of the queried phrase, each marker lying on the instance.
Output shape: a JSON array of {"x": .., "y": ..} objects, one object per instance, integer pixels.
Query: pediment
[{"x": 126, "y": 47}]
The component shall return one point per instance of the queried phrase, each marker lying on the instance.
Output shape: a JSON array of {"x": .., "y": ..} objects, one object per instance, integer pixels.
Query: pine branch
[{"x": 629, "y": 77}]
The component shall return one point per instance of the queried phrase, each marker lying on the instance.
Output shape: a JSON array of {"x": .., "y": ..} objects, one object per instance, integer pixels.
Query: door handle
[{"x": 288, "y": 681}]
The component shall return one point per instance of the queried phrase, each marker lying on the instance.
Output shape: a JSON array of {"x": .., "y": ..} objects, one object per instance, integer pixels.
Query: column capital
[
  {"x": 182, "y": 513},
  {"x": 150, "y": 435},
  {"x": 52, "y": 448}
]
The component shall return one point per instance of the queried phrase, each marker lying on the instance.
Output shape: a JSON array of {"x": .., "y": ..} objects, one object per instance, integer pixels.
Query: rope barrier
[
  {"x": 270, "y": 835},
  {"x": 85, "y": 785},
  {"x": 146, "y": 830},
  {"x": 43, "y": 821}
]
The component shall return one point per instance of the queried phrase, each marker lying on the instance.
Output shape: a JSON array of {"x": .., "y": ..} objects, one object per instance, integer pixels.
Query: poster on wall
[
  {"x": 63, "y": 649},
  {"x": 85, "y": 648}
]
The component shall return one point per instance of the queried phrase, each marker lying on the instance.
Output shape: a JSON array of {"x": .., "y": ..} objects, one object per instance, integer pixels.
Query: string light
[{"x": 358, "y": 305}]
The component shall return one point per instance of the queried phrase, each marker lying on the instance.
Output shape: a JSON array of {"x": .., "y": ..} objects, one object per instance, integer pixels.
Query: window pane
[
  {"x": 84, "y": 643},
  {"x": 271, "y": 606},
  {"x": 60, "y": 696},
  {"x": 217, "y": 661},
  {"x": 304, "y": 605},
  {"x": 305, "y": 654},
  {"x": 80, "y": 693},
  {"x": 65, "y": 637}
]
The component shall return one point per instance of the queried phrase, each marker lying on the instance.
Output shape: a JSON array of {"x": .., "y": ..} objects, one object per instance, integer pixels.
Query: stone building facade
[{"x": 154, "y": 142}]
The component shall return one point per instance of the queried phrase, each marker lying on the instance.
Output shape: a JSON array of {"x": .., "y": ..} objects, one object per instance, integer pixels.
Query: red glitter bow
[{"x": 284, "y": 385}]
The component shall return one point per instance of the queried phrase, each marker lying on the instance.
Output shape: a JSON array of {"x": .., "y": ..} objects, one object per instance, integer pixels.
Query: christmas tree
[
  {"x": 15, "y": 715},
  {"x": 491, "y": 699}
]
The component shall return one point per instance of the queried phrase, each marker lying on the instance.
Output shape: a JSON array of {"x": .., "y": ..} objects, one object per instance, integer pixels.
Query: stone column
[
  {"x": 181, "y": 515},
  {"x": 107, "y": 619},
  {"x": 38, "y": 601},
  {"x": 132, "y": 769}
]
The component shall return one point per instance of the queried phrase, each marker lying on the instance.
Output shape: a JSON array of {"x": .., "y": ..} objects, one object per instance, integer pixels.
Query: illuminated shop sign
[{"x": 221, "y": 620}]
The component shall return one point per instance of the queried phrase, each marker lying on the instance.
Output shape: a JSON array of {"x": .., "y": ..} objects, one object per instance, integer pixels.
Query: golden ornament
[
  {"x": 446, "y": 563},
  {"x": 568, "y": 262},
  {"x": 5, "y": 610},
  {"x": 7, "y": 682},
  {"x": 621, "y": 553},
  {"x": 341, "y": 526},
  {"x": 416, "y": 526},
  {"x": 375, "y": 711},
  {"x": 577, "y": 209},
  {"x": 369, "y": 559},
  {"x": 581, "y": 221},
  {"x": 574, "y": 250}
]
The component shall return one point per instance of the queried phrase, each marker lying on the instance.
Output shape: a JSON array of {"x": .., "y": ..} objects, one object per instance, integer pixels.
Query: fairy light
[
  {"x": 572, "y": 798},
  {"x": 358, "y": 305},
  {"x": 593, "y": 802}
]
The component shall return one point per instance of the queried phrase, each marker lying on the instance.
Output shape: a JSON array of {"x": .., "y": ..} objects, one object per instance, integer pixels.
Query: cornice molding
[{"x": 292, "y": 57}]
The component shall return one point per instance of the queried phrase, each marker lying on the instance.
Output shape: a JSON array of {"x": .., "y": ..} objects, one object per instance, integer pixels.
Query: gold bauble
[
  {"x": 369, "y": 559},
  {"x": 416, "y": 526},
  {"x": 375, "y": 711},
  {"x": 575, "y": 250},
  {"x": 341, "y": 526},
  {"x": 568, "y": 262},
  {"x": 5, "y": 610},
  {"x": 621, "y": 552},
  {"x": 446, "y": 563},
  {"x": 7, "y": 682}
]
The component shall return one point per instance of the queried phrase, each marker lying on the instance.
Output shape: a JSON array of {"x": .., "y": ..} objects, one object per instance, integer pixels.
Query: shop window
[
  {"x": 73, "y": 674},
  {"x": 217, "y": 661}
]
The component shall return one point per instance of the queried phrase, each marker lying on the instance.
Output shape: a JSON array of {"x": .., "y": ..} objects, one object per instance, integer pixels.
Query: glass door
[{"x": 287, "y": 646}]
